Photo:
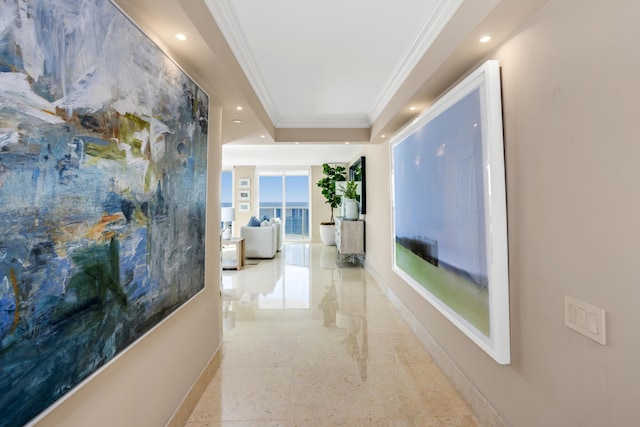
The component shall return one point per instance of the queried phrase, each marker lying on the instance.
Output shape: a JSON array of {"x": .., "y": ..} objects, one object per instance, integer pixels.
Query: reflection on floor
[{"x": 310, "y": 343}]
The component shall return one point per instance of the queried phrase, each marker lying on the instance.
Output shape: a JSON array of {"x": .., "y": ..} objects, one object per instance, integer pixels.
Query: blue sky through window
[
  {"x": 297, "y": 189},
  {"x": 270, "y": 189},
  {"x": 226, "y": 184}
]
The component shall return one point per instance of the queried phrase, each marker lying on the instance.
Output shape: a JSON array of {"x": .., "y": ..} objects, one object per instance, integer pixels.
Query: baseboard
[
  {"x": 484, "y": 412},
  {"x": 188, "y": 404}
]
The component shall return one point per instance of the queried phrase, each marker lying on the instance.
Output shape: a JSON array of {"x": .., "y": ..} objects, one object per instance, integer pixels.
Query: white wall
[
  {"x": 242, "y": 218},
  {"x": 571, "y": 123}
]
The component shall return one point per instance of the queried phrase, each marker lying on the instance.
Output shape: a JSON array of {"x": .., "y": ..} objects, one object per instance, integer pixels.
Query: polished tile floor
[{"x": 311, "y": 341}]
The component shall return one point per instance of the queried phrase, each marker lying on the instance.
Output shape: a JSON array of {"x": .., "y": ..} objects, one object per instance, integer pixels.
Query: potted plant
[
  {"x": 350, "y": 200},
  {"x": 328, "y": 185}
]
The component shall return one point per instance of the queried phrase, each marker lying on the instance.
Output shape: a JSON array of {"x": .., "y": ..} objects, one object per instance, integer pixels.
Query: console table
[{"x": 349, "y": 237}]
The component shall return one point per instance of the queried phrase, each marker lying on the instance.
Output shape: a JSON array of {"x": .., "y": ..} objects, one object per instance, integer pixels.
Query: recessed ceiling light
[
  {"x": 485, "y": 39},
  {"x": 346, "y": 143},
  {"x": 383, "y": 136},
  {"x": 412, "y": 108},
  {"x": 239, "y": 108},
  {"x": 263, "y": 136},
  {"x": 181, "y": 37},
  {"x": 237, "y": 121},
  {"x": 297, "y": 143}
]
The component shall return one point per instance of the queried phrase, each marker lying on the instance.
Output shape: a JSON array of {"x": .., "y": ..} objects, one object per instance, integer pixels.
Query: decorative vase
[{"x": 351, "y": 210}]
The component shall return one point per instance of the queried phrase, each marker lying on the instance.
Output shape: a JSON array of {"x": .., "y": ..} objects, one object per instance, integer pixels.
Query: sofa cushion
[
  {"x": 253, "y": 222},
  {"x": 264, "y": 218},
  {"x": 264, "y": 223}
]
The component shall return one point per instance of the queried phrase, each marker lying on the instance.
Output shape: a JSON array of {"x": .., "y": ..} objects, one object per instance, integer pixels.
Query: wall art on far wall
[
  {"x": 244, "y": 207},
  {"x": 244, "y": 195},
  {"x": 103, "y": 195},
  {"x": 449, "y": 209},
  {"x": 244, "y": 183}
]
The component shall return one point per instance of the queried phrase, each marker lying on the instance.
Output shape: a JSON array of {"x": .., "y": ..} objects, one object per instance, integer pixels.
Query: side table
[{"x": 238, "y": 263}]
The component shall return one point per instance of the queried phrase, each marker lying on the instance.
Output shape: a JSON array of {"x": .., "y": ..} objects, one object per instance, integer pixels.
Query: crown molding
[
  {"x": 224, "y": 14},
  {"x": 417, "y": 49},
  {"x": 228, "y": 22}
]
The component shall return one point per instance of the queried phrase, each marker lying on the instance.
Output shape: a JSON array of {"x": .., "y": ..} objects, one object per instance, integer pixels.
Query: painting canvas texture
[
  {"x": 444, "y": 223},
  {"x": 102, "y": 194}
]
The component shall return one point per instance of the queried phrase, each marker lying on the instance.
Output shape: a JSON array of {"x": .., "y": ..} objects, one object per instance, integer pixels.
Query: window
[
  {"x": 284, "y": 194},
  {"x": 226, "y": 189}
]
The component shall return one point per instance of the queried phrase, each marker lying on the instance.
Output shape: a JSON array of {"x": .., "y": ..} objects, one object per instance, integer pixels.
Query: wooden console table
[{"x": 349, "y": 237}]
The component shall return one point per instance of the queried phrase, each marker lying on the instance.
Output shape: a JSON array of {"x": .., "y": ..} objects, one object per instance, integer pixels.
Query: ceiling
[
  {"x": 330, "y": 63},
  {"x": 312, "y": 76}
]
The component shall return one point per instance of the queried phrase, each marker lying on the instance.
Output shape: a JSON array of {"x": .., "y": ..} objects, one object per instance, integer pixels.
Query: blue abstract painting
[{"x": 103, "y": 148}]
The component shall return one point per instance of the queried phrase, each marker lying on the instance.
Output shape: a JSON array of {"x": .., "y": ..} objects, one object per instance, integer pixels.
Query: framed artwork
[
  {"x": 244, "y": 195},
  {"x": 103, "y": 195},
  {"x": 244, "y": 183},
  {"x": 244, "y": 207},
  {"x": 449, "y": 209}
]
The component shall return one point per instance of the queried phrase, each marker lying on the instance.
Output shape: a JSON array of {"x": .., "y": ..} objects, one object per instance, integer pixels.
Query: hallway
[{"x": 310, "y": 343}]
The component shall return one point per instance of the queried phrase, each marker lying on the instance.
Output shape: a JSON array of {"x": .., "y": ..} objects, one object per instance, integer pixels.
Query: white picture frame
[
  {"x": 244, "y": 207},
  {"x": 449, "y": 218},
  {"x": 244, "y": 183},
  {"x": 244, "y": 195}
]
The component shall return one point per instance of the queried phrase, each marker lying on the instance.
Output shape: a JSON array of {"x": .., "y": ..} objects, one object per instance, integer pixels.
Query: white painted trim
[
  {"x": 417, "y": 49},
  {"x": 228, "y": 22}
]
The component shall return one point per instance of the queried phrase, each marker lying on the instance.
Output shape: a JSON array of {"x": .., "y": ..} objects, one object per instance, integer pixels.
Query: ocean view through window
[
  {"x": 226, "y": 186},
  {"x": 286, "y": 197}
]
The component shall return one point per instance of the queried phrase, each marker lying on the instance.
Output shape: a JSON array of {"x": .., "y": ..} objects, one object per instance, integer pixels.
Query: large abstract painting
[
  {"x": 449, "y": 209},
  {"x": 103, "y": 148}
]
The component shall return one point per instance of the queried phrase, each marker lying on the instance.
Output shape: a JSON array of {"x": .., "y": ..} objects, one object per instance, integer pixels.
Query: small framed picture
[
  {"x": 244, "y": 195},
  {"x": 244, "y": 183},
  {"x": 244, "y": 207}
]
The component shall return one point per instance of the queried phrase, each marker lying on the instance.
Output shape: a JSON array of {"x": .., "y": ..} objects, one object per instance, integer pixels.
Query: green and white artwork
[{"x": 449, "y": 210}]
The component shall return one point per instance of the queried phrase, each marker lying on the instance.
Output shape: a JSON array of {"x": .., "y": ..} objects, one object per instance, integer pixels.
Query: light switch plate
[{"x": 585, "y": 319}]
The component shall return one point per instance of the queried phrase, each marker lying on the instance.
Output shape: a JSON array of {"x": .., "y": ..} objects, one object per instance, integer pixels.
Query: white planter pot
[
  {"x": 328, "y": 234},
  {"x": 351, "y": 209}
]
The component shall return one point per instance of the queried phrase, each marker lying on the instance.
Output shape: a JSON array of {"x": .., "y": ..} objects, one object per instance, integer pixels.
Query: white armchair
[
  {"x": 278, "y": 224},
  {"x": 260, "y": 242}
]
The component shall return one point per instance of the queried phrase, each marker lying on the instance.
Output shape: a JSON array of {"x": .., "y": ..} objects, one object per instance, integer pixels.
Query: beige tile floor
[{"x": 310, "y": 343}]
